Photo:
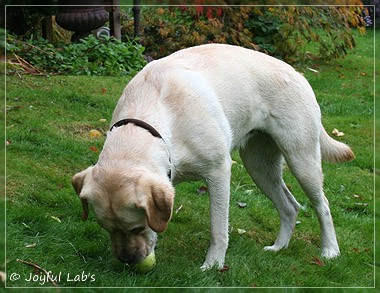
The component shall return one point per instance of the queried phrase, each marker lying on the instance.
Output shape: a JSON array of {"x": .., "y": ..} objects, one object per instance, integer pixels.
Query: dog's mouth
[
  {"x": 130, "y": 258},
  {"x": 133, "y": 249}
]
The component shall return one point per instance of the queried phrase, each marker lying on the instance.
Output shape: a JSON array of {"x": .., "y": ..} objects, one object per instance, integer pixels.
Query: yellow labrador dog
[{"x": 179, "y": 119}]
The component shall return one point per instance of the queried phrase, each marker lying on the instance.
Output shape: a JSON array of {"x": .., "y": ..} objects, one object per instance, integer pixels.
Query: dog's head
[{"x": 131, "y": 208}]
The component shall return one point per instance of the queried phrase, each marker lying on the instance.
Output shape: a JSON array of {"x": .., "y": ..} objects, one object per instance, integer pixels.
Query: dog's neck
[
  {"x": 148, "y": 127},
  {"x": 133, "y": 142}
]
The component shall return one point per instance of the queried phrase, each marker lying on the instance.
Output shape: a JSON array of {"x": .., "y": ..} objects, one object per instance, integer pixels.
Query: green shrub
[
  {"x": 167, "y": 29},
  {"x": 88, "y": 57},
  {"x": 284, "y": 32}
]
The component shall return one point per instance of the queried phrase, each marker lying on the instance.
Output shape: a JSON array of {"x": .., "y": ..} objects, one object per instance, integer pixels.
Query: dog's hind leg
[
  {"x": 306, "y": 166},
  {"x": 263, "y": 160}
]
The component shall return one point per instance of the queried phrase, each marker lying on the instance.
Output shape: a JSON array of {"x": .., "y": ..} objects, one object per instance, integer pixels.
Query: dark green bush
[
  {"x": 285, "y": 32},
  {"x": 167, "y": 29},
  {"x": 88, "y": 57}
]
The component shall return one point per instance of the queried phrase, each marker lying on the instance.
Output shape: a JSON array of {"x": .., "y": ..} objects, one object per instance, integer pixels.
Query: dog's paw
[
  {"x": 273, "y": 248},
  {"x": 206, "y": 266},
  {"x": 330, "y": 252},
  {"x": 214, "y": 258}
]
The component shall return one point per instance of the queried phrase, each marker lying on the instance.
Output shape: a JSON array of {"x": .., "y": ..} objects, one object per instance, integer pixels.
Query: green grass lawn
[{"x": 48, "y": 123}]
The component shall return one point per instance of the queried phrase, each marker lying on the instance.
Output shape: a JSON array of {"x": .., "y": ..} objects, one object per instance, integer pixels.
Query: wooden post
[
  {"x": 114, "y": 19},
  {"x": 136, "y": 16},
  {"x": 47, "y": 28}
]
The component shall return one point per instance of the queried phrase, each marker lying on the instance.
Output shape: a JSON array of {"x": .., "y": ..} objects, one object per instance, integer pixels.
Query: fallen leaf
[
  {"x": 361, "y": 204},
  {"x": 336, "y": 132},
  {"x": 312, "y": 70},
  {"x": 241, "y": 231},
  {"x": 56, "y": 219},
  {"x": 317, "y": 261},
  {"x": 95, "y": 133},
  {"x": 242, "y": 204},
  {"x": 104, "y": 90},
  {"x": 178, "y": 209},
  {"x": 358, "y": 196},
  {"x": 225, "y": 268},
  {"x": 103, "y": 120},
  {"x": 94, "y": 149},
  {"x": 357, "y": 250}
]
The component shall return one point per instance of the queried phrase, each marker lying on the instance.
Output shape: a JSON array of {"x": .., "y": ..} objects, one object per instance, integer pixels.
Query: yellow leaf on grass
[
  {"x": 56, "y": 219},
  {"x": 241, "y": 231},
  {"x": 336, "y": 132},
  {"x": 95, "y": 133}
]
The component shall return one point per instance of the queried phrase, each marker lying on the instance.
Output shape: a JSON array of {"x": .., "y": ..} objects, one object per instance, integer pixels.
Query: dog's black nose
[{"x": 129, "y": 259}]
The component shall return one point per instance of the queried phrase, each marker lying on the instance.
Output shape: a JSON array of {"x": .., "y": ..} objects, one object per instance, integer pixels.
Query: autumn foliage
[{"x": 282, "y": 31}]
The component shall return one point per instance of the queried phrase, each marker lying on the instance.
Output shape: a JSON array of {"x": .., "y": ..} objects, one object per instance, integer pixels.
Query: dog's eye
[{"x": 138, "y": 230}]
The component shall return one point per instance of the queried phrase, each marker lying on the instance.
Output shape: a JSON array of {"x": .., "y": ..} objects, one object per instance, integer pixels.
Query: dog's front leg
[{"x": 219, "y": 189}]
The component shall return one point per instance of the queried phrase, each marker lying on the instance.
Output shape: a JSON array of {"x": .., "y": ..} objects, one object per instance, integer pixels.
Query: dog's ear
[
  {"x": 78, "y": 182},
  {"x": 156, "y": 197}
]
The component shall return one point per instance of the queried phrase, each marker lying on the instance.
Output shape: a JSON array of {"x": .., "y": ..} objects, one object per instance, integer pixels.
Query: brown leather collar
[
  {"x": 139, "y": 123},
  {"x": 146, "y": 126}
]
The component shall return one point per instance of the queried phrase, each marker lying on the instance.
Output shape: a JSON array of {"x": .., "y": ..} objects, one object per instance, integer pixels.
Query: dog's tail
[{"x": 334, "y": 151}]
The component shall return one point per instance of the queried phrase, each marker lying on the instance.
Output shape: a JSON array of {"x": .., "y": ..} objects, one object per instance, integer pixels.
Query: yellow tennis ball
[{"x": 146, "y": 264}]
